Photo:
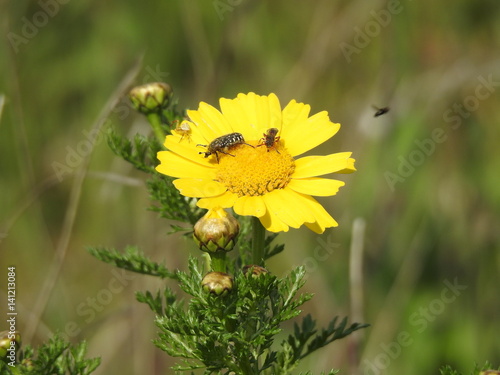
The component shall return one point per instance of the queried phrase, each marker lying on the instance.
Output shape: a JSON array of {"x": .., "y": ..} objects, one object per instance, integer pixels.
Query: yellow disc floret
[{"x": 255, "y": 170}]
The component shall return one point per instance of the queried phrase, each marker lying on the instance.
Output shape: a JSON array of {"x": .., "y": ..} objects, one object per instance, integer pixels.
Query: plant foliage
[{"x": 57, "y": 357}]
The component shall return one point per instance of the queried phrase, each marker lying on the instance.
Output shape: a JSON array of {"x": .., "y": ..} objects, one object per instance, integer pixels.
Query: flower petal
[
  {"x": 315, "y": 186},
  {"x": 210, "y": 122},
  {"x": 252, "y": 114},
  {"x": 273, "y": 224},
  {"x": 234, "y": 111},
  {"x": 198, "y": 187},
  {"x": 250, "y": 206},
  {"x": 193, "y": 138},
  {"x": 278, "y": 205},
  {"x": 217, "y": 121},
  {"x": 294, "y": 116},
  {"x": 311, "y": 166},
  {"x": 270, "y": 115},
  {"x": 349, "y": 168},
  {"x": 301, "y": 133},
  {"x": 188, "y": 150},
  {"x": 323, "y": 218},
  {"x": 225, "y": 200},
  {"x": 176, "y": 166}
]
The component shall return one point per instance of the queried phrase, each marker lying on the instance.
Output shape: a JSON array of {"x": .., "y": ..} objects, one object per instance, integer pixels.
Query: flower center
[{"x": 255, "y": 171}]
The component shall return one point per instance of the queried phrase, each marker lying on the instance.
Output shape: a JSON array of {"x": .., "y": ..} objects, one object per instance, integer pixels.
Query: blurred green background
[{"x": 425, "y": 201}]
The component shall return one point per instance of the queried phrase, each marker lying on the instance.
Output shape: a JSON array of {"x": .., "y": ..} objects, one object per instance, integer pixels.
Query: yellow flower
[{"x": 254, "y": 175}]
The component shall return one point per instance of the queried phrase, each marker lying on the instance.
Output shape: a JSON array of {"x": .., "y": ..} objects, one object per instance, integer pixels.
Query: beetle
[{"x": 223, "y": 144}]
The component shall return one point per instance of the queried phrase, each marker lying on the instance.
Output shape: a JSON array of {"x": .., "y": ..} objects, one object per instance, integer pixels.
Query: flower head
[{"x": 245, "y": 157}]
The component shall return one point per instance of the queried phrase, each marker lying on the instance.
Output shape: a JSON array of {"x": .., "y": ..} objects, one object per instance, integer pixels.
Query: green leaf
[
  {"x": 170, "y": 203},
  {"x": 140, "y": 152},
  {"x": 56, "y": 357},
  {"x": 131, "y": 260}
]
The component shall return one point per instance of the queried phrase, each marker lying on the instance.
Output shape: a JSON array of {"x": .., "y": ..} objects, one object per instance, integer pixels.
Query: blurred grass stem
[
  {"x": 356, "y": 287},
  {"x": 72, "y": 208}
]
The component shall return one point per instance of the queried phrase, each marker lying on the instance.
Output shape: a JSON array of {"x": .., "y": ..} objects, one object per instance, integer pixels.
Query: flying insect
[{"x": 380, "y": 111}]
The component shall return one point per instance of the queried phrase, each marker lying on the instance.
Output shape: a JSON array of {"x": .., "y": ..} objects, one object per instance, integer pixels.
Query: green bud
[
  {"x": 216, "y": 231},
  {"x": 218, "y": 283},
  {"x": 8, "y": 341},
  {"x": 256, "y": 270},
  {"x": 151, "y": 97}
]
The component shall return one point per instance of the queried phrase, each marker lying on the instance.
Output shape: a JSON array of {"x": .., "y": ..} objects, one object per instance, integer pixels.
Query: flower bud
[
  {"x": 256, "y": 270},
  {"x": 218, "y": 283},
  {"x": 9, "y": 341},
  {"x": 151, "y": 97},
  {"x": 216, "y": 231}
]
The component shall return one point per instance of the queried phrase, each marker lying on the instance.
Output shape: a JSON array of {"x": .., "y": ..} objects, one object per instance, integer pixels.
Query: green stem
[
  {"x": 258, "y": 237},
  {"x": 154, "y": 119},
  {"x": 218, "y": 261}
]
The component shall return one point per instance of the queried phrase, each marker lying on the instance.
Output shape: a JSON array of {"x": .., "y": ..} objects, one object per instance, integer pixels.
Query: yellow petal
[
  {"x": 225, "y": 200},
  {"x": 236, "y": 114},
  {"x": 215, "y": 119},
  {"x": 294, "y": 116},
  {"x": 268, "y": 114},
  {"x": 301, "y": 134},
  {"x": 252, "y": 114},
  {"x": 315, "y": 186},
  {"x": 188, "y": 149},
  {"x": 210, "y": 123},
  {"x": 323, "y": 219},
  {"x": 272, "y": 223},
  {"x": 198, "y": 187},
  {"x": 311, "y": 166},
  {"x": 250, "y": 206},
  {"x": 283, "y": 205},
  {"x": 191, "y": 139},
  {"x": 349, "y": 168},
  {"x": 177, "y": 166}
]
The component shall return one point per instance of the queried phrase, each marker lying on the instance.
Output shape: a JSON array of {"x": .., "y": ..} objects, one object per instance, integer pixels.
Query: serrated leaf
[{"x": 131, "y": 260}]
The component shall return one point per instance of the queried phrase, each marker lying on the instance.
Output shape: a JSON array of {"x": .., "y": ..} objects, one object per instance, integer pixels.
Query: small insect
[
  {"x": 184, "y": 129},
  {"x": 223, "y": 144},
  {"x": 270, "y": 139},
  {"x": 380, "y": 111}
]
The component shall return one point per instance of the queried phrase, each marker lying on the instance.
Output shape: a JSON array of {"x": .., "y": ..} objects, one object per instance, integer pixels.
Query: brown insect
[
  {"x": 223, "y": 144},
  {"x": 380, "y": 111},
  {"x": 270, "y": 139}
]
